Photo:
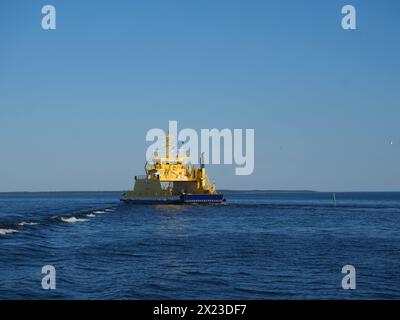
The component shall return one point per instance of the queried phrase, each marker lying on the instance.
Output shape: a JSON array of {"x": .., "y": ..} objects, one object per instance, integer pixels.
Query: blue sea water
[{"x": 259, "y": 245}]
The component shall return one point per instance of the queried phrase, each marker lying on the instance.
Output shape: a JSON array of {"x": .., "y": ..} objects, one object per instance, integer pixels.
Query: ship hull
[
  {"x": 183, "y": 199},
  {"x": 203, "y": 198},
  {"x": 152, "y": 200}
]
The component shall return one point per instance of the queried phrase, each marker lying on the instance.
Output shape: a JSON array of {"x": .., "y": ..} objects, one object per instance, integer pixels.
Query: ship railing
[{"x": 142, "y": 177}]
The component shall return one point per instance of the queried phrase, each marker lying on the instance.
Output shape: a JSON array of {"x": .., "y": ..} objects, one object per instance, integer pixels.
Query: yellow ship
[{"x": 172, "y": 180}]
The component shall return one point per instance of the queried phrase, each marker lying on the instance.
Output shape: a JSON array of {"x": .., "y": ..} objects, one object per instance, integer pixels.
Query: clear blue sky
[{"x": 76, "y": 103}]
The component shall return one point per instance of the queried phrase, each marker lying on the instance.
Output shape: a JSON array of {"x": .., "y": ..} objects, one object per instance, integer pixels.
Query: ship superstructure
[{"x": 173, "y": 179}]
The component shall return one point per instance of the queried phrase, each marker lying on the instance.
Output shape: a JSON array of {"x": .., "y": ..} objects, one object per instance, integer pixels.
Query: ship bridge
[{"x": 177, "y": 169}]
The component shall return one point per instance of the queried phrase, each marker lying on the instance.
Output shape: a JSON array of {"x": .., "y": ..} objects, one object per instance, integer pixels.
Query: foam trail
[
  {"x": 4, "y": 232},
  {"x": 98, "y": 212},
  {"x": 73, "y": 220},
  {"x": 23, "y": 223},
  {"x": 90, "y": 215}
]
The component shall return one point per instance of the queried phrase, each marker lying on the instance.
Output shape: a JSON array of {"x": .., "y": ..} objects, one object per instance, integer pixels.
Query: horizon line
[{"x": 221, "y": 190}]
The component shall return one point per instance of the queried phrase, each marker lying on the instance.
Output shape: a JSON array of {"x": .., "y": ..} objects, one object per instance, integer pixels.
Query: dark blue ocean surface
[{"x": 259, "y": 245}]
